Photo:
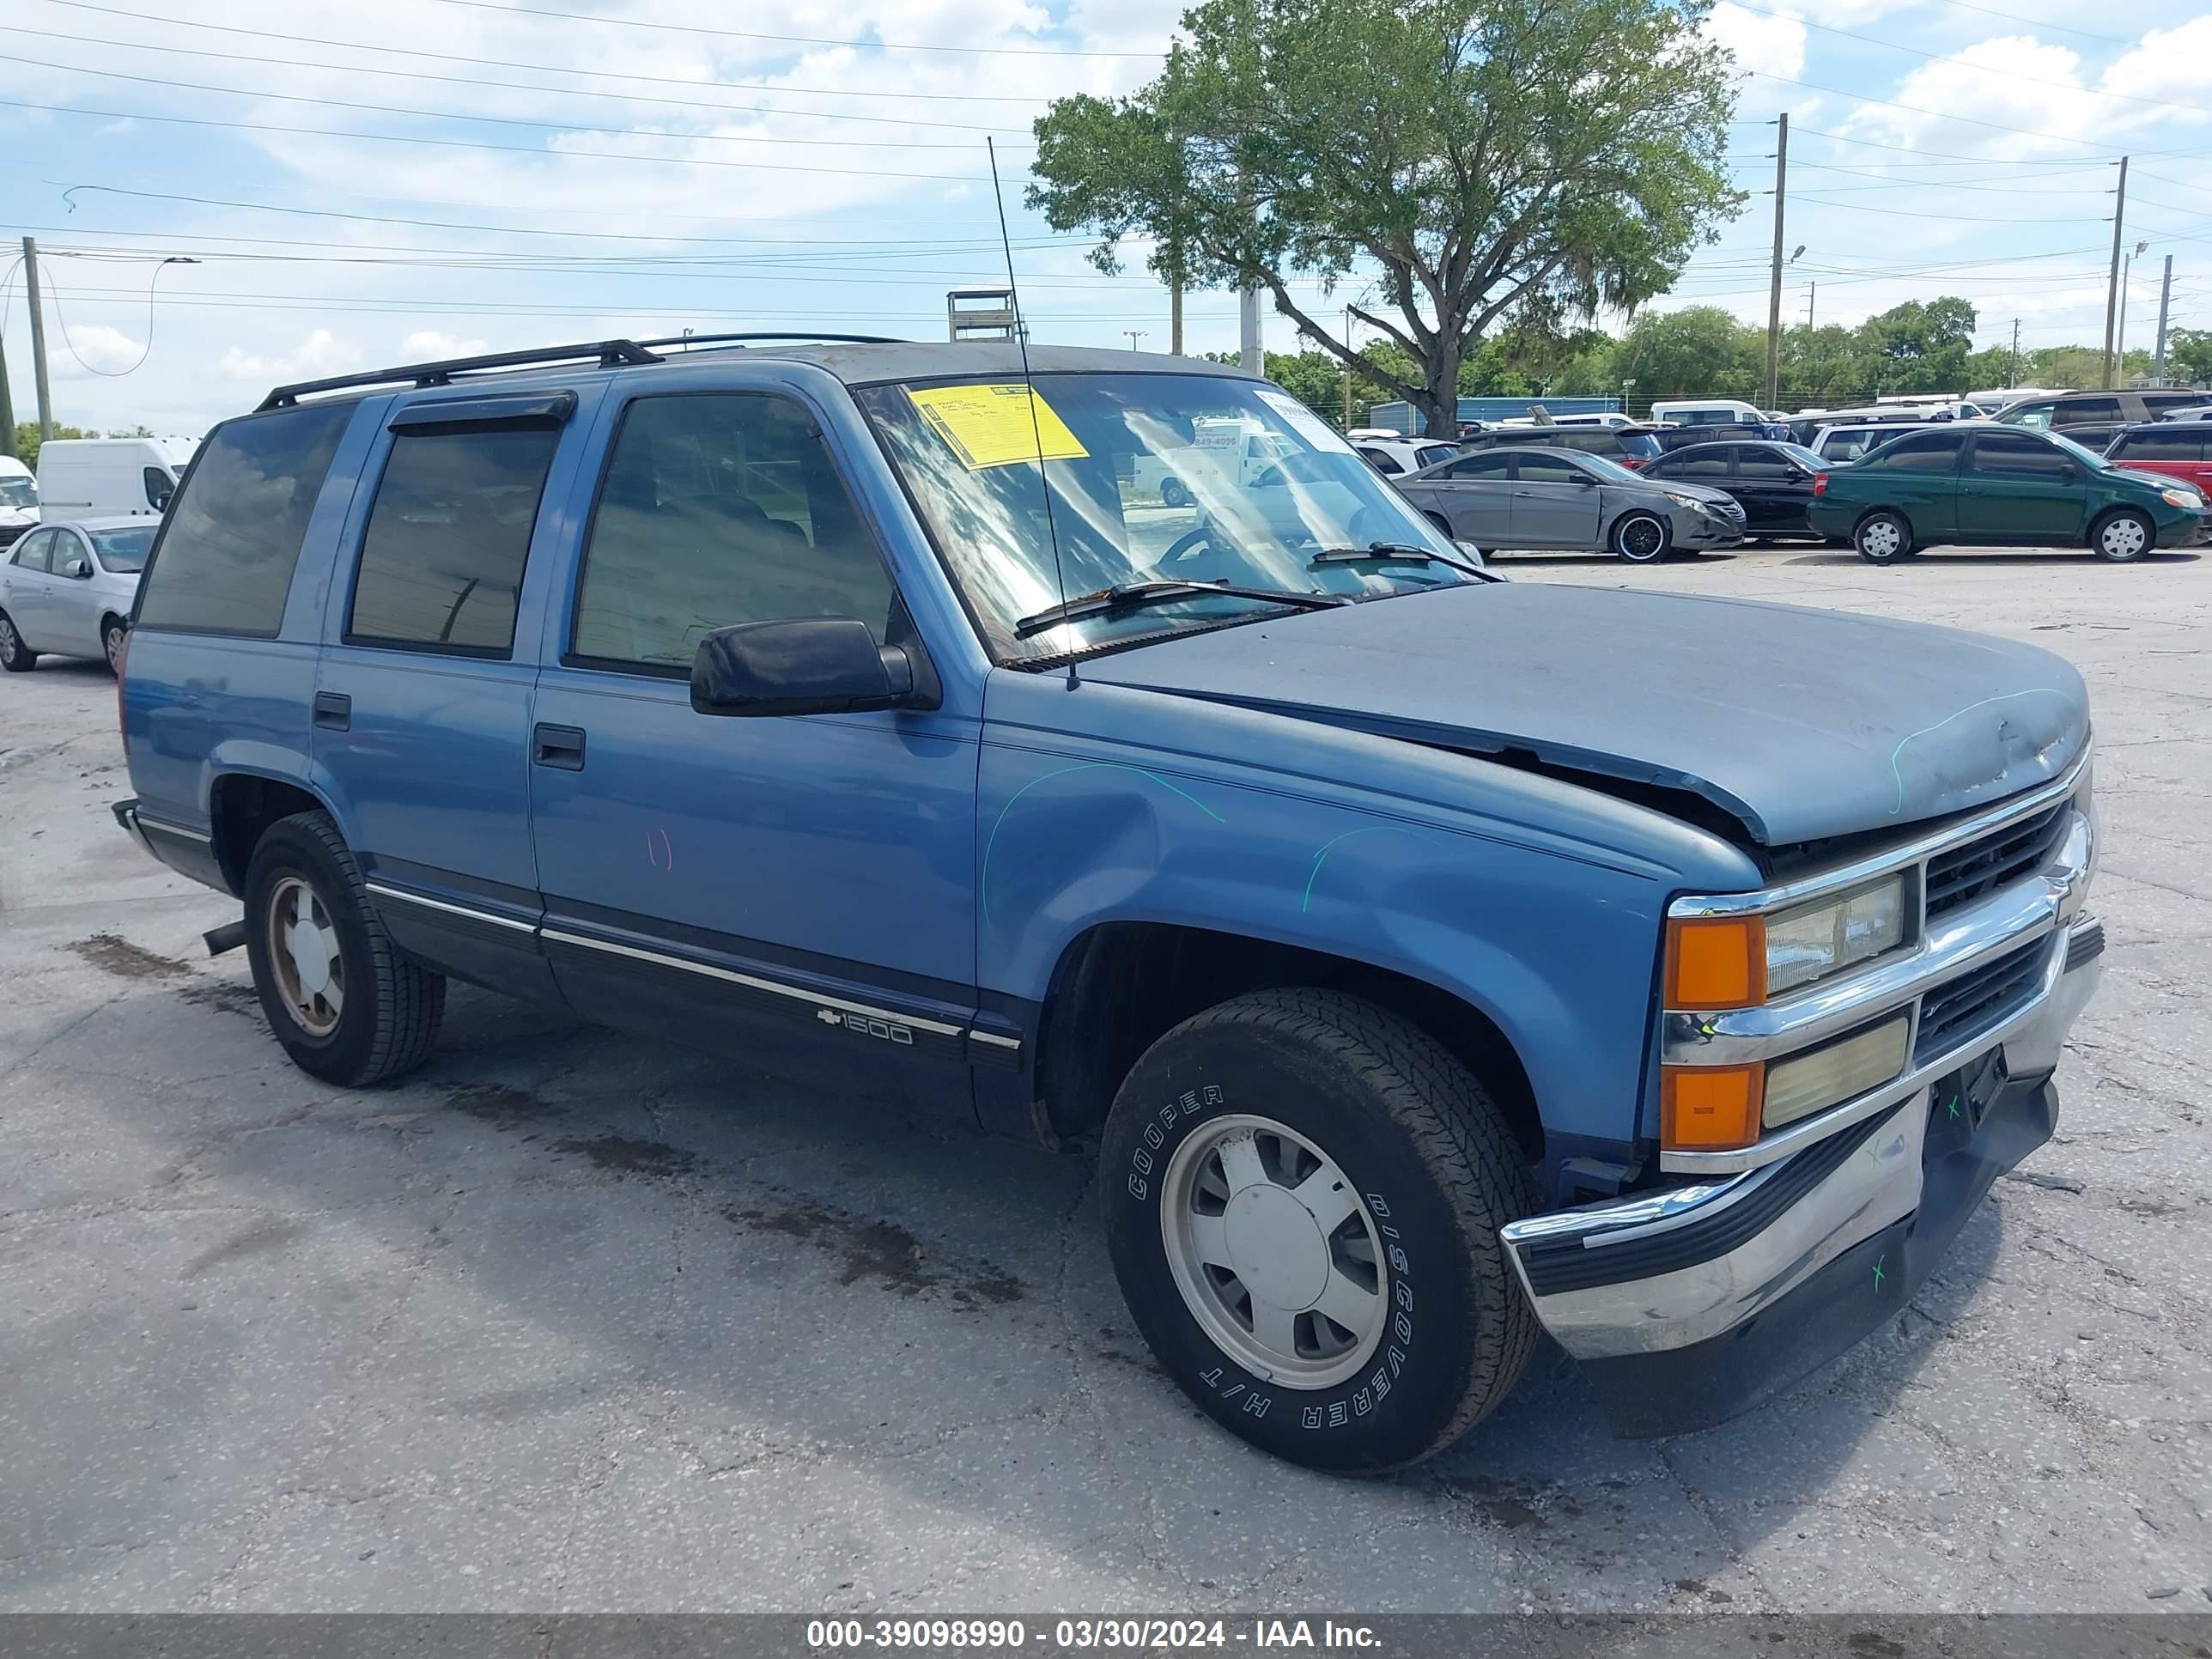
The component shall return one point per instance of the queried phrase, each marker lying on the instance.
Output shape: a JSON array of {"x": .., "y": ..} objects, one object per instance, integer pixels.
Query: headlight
[
  {"x": 1830, "y": 934},
  {"x": 1720, "y": 963},
  {"x": 1812, "y": 1083},
  {"x": 1689, "y": 501},
  {"x": 2183, "y": 498}
]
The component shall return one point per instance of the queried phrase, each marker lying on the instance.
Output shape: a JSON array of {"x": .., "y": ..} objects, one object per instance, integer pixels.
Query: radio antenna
[{"x": 1029, "y": 386}]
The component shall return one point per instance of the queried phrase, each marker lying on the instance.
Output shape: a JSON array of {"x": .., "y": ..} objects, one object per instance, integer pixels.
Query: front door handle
[
  {"x": 333, "y": 711},
  {"x": 561, "y": 747}
]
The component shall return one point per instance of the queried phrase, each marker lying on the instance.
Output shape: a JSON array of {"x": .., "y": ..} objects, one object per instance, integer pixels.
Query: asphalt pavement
[{"x": 570, "y": 1320}]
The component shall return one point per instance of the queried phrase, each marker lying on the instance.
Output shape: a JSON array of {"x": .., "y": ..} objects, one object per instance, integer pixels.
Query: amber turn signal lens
[
  {"x": 1710, "y": 1109},
  {"x": 1716, "y": 962}
]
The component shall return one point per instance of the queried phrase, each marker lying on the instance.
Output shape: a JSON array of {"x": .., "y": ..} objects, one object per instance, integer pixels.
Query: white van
[
  {"x": 1708, "y": 411},
  {"x": 19, "y": 500},
  {"x": 87, "y": 477}
]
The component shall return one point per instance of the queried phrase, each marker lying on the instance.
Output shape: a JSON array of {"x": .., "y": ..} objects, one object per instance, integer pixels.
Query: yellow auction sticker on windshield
[{"x": 996, "y": 425}]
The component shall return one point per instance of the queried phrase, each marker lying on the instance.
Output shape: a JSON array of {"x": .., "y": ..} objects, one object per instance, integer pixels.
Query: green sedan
[{"x": 1977, "y": 483}]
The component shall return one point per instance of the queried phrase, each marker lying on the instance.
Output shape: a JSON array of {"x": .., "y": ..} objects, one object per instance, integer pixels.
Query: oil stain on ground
[
  {"x": 228, "y": 994},
  {"x": 113, "y": 954},
  {"x": 500, "y": 1104},
  {"x": 621, "y": 1155},
  {"x": 881, "y": 1251}
]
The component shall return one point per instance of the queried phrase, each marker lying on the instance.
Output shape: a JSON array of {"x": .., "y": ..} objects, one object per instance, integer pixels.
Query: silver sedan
[
  {"x": 67, "y": 588},
  {"x": 1537, "y": 497}
]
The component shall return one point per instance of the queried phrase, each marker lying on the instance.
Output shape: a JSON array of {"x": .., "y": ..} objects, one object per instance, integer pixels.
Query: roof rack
[
  {"x": 611, "y": 354},
  {"x": 740, "y": 340}
]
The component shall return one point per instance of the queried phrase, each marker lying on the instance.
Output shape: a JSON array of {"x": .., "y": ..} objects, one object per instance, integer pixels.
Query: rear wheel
[
  {"x": 2123, "y": 536},
  {"x": 340, "y": 997},
  {"x": 1174, "y": 493},
  {"x": 112, "y": 630},
  {"x": 1641, "y": 538},
  {"x": 1302, "y": 1197},
  {"x": 16, "y": 657},
  {"x": 1883, "y": 537}
]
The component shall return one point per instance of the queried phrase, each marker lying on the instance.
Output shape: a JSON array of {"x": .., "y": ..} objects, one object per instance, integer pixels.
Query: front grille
[
  {"x": 1978, "y": 1000},
  {"x": 1962, "y": 874}
]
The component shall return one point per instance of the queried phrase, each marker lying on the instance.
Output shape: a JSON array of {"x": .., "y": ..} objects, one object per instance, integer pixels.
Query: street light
[
  {"x": 2120, "y": 344},
  {"x": 1135, "y": 334},
  {"x": 1626, "y": 386}
]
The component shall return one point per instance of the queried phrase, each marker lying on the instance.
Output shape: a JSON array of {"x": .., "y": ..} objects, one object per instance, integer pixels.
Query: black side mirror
[{"x": 810, "y": 665}]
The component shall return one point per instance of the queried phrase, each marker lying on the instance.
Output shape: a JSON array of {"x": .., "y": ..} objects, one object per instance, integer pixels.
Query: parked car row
[{"x": 1540, "y": 496}]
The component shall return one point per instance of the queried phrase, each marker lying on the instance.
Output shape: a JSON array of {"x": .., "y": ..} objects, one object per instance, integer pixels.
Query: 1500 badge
[{"x": 883, "y": 1031}]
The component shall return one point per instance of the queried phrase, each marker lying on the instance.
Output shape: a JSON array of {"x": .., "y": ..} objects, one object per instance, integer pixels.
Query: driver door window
[{"x": 717, "y": 509}]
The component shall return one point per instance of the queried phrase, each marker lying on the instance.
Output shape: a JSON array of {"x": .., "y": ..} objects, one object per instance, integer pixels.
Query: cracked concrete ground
[{"x": 568, "y": 1321}]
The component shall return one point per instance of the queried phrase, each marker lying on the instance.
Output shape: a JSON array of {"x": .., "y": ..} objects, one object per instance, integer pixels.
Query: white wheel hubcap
[
  {"x": 1275, "y": 1253},
  {"x": 303, "y": 957},
  {"x": 2124, "y": 537},
  {"x": 1881, "y": 540}
]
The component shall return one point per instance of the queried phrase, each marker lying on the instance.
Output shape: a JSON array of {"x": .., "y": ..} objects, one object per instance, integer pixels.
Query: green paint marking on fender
[
  {"x": 1305, "y": 903},
  {"x": 983, "y": 879},
  {"x": 1897, "y": 773},
  {"x": 1954, "y": 1108},
  {"x": 1878, "y": 1261}
]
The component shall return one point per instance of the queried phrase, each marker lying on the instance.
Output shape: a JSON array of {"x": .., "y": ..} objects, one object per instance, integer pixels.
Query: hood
[{"x": 1799, "y": 724}]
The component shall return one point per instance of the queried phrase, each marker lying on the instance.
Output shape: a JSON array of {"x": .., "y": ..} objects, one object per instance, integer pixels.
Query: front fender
[{"x": 1555, "y": 939}]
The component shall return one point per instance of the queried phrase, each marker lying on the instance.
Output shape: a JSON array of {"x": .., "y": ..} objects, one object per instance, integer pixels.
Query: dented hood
[{"x": 1802, "y": 724}]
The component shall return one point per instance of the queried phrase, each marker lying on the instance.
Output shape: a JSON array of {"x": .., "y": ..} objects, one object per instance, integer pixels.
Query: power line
[
  {"x": 542, "y": 69},
  {"x": 788, "y": 39},
  {"x": 519, "y": 121},
  {"x": 900, "y": 121},
  {"x": 512, "y": 149}
]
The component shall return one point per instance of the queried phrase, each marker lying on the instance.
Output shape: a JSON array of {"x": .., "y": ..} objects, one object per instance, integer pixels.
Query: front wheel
[
  {"x": 2122, "y": 537},
  {"x": 341, "y": 1000},
  {"x": 1302, "y": 1196},
  {"x": 16, "y": 657},
  {"x": 1883, "y": 537},
  {"x": 1641, "y": 538},
  {"x": 110, "y": 641},
  {"x": 1174, "y": 493}
]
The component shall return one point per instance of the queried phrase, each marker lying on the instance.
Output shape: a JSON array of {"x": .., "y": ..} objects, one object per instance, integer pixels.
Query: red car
[{"x": 2172, "y": 449}]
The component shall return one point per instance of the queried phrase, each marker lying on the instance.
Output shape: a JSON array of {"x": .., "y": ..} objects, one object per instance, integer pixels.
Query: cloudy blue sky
[{"x": 636, "y": 167}]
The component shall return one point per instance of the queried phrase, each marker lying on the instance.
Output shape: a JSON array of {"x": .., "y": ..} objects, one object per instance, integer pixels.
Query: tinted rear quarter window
[
  {"x": 2085, "y": 411},
  {"x": 2179, "y": 444},
  {"x": 233, "y": 534},
  {"x": 442, "y": 560}
]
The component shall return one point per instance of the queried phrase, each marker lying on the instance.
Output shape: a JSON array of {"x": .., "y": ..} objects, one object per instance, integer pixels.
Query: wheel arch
[
  {"x": 1657, "y": 515},
  {"x": 2105, "y": 515},
  {"x": 241, "y": 806},
  {"x": 1119, "y": 986}
]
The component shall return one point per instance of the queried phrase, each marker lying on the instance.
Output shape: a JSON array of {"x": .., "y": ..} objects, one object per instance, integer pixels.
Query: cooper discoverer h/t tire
[
  {"x": 341, "y": 998},
  {"x": 1302, "y": 1194}
]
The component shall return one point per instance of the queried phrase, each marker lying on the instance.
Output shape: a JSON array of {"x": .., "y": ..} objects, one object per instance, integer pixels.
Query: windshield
[
  {"x": 1153, "y": 477},
  {"x": 1642, "y": 444},
  {"x": 122, "y": 551},
  {"x": 19, "y": 492},
  {"x": 1801, "y": 455},
  {"x": 2081, "y": 453},
  {"x": 1612, "y": 471}
]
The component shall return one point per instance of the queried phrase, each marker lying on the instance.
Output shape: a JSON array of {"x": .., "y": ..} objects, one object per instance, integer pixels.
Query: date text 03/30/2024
[{"x": 832, "y": 1635}]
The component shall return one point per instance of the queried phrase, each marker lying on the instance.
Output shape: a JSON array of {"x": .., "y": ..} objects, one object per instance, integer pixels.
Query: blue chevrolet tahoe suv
[{"x": 1428, "y": 960}]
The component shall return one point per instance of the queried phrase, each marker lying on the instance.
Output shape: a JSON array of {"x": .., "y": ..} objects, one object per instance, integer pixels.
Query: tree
[
  {"x": 2189, "y": 357},
  {"x": 1922, "y": 347},
  {"x": 1476, "y": 163},
  {"x": 1699, "y": 352}
]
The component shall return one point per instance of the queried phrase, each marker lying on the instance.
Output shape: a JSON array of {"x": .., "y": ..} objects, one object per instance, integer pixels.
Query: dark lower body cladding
[{"x": 1678, "y": 1390}]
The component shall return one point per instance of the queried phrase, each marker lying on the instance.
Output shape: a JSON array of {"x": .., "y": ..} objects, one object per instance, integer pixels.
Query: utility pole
[
  {"x": 1250, "y": 353},
  {"x": 1135, "y": 334},
  {"x": 38, "y": 339},
  {"x": 2112, "y": 286},
  {"x": 1811, "y": 292},
  {"x": 2158, "y": 356},
  {"x": 2012, "y": 364},
  {"x": 1174, "y": 314},
  {"x": 2127, "y": 280},
  {"x": 8, "y": 446},
  {"x": 1774, "y": 292},
  {"x": 1347, "y": 373}
]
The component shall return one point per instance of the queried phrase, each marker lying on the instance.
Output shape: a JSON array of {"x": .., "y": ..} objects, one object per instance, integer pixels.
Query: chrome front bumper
[{"x": 1666, "y": 1270}]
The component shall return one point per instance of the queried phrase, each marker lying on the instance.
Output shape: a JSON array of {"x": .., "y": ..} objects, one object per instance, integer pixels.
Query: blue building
[{"x": 1399, "y": 416}]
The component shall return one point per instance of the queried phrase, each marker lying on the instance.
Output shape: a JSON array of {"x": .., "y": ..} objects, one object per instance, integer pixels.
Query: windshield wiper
[
  {"x": 1136, "y": 596},
  {"x": 1391, "y": 553}
]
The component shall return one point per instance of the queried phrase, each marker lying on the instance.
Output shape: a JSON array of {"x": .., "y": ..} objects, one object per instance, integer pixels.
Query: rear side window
[
  {"x": 2179, "y": 444},
  {"x": 233, "y": 534},
  {"x": 1381, "y": 461},
  {"x": 2084, "y": 411},
  {"x": 2164, "y": 400},
  {"x": 720, "y": 508},
  {"x": 441, "y": 561},
  {"x": 34, "y": 551},
  {"x": 1927, "y": 451},
  {"x": 1765, "y": 466},
  {"x": 1708, "y": 464},
  {"x": 1482, "y": 466}
]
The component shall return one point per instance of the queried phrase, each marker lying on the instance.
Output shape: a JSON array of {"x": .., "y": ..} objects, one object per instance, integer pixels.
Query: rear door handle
[
  {"x": 333, "y": 711},
  {"x": 561, "y": 747}
]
